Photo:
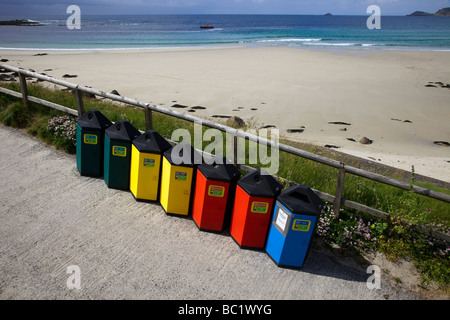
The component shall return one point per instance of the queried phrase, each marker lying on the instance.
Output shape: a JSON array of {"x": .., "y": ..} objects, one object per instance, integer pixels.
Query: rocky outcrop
[
  {"x": 442, "y": 143},
  {"x": 6, "y": 77},
  {"x": 69, "y": 75},
  {"x": 445, "y": 12},
  {"x": 179, "y": 106},
  {"x": 365, "y": 140},
  {"x": 340, "y": 123},
  {"x": 22, "y": 22},
  {"x": 419, "y": 14},
  {"x": 295, "y": 130},
  {"x": 235, "y": 122}
]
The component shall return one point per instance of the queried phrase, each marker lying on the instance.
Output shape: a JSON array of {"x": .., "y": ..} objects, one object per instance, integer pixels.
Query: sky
[{"x": 22, "y": 8}]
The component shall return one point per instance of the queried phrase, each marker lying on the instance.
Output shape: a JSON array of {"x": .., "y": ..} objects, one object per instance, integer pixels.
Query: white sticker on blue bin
[{"x": 281, "y": 219}]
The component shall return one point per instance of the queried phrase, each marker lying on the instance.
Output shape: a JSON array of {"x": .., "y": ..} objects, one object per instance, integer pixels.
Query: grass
[{"x": 396, "y": 238}]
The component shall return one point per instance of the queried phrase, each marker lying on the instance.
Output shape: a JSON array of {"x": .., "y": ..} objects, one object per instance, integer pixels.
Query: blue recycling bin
[{"x": 296, "y": 212}]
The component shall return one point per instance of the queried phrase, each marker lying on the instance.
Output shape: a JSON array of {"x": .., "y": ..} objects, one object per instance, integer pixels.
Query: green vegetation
[{"x": 396, "y": 238}]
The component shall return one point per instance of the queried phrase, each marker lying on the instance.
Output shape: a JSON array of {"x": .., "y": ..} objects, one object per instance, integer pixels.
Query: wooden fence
[{"x": 343, "y": 169}]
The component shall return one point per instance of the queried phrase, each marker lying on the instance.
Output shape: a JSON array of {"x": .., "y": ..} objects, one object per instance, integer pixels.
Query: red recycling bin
[
  {"x": 214, "y": 194},
  {"x": 253, "y": 205}
]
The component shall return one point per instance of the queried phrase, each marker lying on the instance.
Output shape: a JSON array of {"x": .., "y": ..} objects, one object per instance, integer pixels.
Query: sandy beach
[{"x": 397, "y": 99}]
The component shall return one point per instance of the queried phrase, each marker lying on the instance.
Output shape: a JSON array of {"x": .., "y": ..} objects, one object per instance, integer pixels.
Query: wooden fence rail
[{"x": 343, "y": 169}]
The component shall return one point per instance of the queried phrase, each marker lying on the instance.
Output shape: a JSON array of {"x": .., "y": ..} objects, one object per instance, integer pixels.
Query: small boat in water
[{"x": 207, "y": 27}]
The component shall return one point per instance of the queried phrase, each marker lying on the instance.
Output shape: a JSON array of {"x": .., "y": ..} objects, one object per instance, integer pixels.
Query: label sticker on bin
[
  {"x": 260, "y": 207},
  {"x": 282, "y": 218},
  {"x": 90, "y": 139},
  {"x": 301, "y": 225},
  {"x": 216, "y": 191},
  {"x": 119, "y": 151},
  {"x": 149, "y": 163},
  {"x": 182, "y": 176}
]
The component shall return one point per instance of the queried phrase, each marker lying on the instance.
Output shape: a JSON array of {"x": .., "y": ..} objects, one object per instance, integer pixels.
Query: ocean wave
[
  {"x": 347, "y": 44},
  {"x": 95, "y": 49},
  {"x": 291, "y": 40},
  {"x": 341, "y": 44}
]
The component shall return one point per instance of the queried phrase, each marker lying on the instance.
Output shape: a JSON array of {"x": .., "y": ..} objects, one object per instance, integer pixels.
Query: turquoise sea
[{"x": 178, "y": 31}]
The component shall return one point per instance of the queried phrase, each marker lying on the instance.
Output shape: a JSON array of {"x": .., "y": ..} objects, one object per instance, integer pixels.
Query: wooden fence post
[
  {"x": 79, "y": 102},
  {"x": 235, "y": 149},
  {"x": 339, "y": 191},
  {"x": 148, "y": 118},
  {"x": 24, "y": 89}
]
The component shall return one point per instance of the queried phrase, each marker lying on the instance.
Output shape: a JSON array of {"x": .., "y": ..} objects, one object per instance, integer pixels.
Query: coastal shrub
[
  {"x": 432, "y": 259},
  {"x": 406, "y": 204},
  {"x": 63, "y": 129},
  {"x": 350, "y": 230},
  {"x": 395, "y": 238},
  {"x": 15, "y": 115},
  {"x": 430, "y": 255}
]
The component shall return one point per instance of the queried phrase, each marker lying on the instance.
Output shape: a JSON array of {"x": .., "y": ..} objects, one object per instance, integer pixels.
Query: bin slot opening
[{"x": 300, "y": 196}]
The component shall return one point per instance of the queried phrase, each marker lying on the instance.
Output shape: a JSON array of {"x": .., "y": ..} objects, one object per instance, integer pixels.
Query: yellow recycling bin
[
  {"x": 179, "y": 166},
  {"x": 145, "y": 168}
]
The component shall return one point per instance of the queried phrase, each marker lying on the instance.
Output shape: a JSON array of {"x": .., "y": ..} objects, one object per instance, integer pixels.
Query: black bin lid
[
  {"x": 186, "y": 161},
  {"x": 94, "y": 120},
  {"x": 123, "y": 131},
  {"x": 301, "y": 199},
  {"x": 256, "y": 184},
  {"x": 151, "y": 142},
  {"x": 220, "y": 169}
]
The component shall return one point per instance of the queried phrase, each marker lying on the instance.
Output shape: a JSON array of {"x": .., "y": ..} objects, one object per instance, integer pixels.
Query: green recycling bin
[
  {"x": 90, "y": 137},
  {"x": 117, "y": 154}
]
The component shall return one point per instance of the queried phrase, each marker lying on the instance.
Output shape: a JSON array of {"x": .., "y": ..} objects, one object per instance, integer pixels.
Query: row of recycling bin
[{"x": 253, "y": 207}]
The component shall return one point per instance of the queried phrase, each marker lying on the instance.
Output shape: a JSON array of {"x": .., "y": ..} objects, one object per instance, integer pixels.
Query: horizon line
[{"x": 217, "y": 14}]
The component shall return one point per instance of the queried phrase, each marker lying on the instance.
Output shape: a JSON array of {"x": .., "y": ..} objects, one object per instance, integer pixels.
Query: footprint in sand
[
  {"x": 221, "y": 116},
  {"x": 295, "y": 130},
  {"x": 179, "y": 106},
  {"x": 340, "y": 123}
]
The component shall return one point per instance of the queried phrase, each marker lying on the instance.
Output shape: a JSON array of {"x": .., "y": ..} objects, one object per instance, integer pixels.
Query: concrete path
[{"x": 51, "y": 218}]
